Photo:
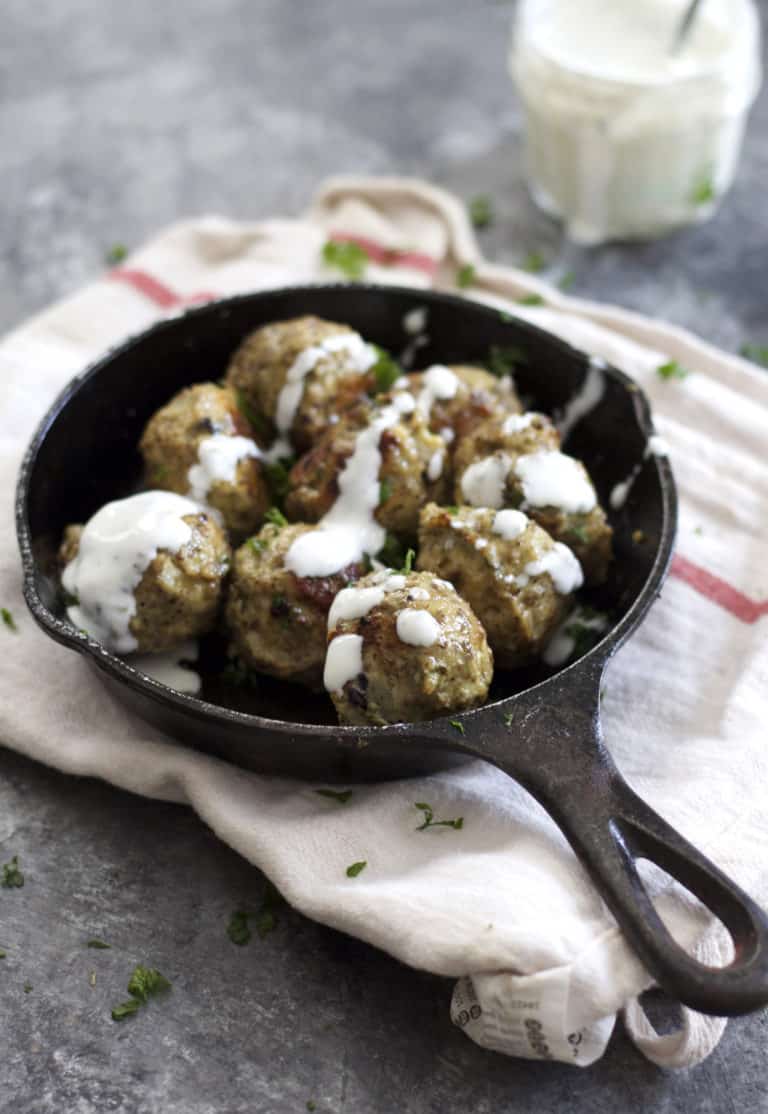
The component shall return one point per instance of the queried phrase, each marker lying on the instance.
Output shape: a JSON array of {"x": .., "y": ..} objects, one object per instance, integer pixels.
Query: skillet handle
[{"x": 560, "y": 757}]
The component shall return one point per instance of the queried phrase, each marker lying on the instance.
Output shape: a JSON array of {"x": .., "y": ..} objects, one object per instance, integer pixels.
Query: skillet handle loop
[
  {"x": 634, "y": 831},
  {"x": 553, "y": 746}
]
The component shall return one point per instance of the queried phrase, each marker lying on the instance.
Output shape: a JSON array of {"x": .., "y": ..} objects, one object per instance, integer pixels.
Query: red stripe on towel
[
  {"x": 718, "y": 591},
  {"x": 156, "y": 290},
  {"x": 388, "y": 256}
]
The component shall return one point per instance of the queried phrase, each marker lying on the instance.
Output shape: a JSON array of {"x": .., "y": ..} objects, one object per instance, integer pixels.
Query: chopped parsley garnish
[
  {"x": 671, "y": 370},
  {"x": 8, "y": 619},
  {"x": 252, "y": 416},
  {"x": 340, "y": 795},
  {"x": 502, "y": 359},
  {"x": 238, "y": 929},
  {"x": 385, "y": 490},
  {"x": 12, "y": 878},
  {"x": 125, "y": 1009},
  {"x": 266, "y": 916},
  {"x": 465, "y": 275},
  {"x": 2, "y": 953},
  {"x": 144, "y": 983},
  {"x": 355, "y": 868},
  {"x": 276, "y": 517},
  {"x": 347, "y": 257},
  {"x": 386, "y": 371},
  {"x": 258, "y": 545},
  {"x": 586, "y": 630},
  {"x": 758, "y": 353},
  {"x": 703, "y": 191},
  {"x": 459, "y": 726},
  {"x": 92, "y": 978},
  {"x": 509, "y": 718},
  {"x": 277, "y": 474},
  {"x": 407, "y": 565},
  {"x": 116, "y": 254},
  {"x": 578, "y": 533},
  {"x": 430, "y": 822},
  {"x": 534, "y": 262},
  {"x": 28, "y": 987},
  {"x": 311, "y": 1105},
  {"x": 480, "y": 211},
  {"x": 99, "y": 944},
  {"x": 451, "y": 510},
  {"x": 392, "y": 553},
  {"x": 505, "y": 316},
  {"x": 567, "y": 280},
  {"x": 698, "y": 530},
  {"x": 530, "y": 300}
]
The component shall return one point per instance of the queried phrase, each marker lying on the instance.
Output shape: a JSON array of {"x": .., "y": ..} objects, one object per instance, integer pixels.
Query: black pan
[{"x": 541, "y": 727}]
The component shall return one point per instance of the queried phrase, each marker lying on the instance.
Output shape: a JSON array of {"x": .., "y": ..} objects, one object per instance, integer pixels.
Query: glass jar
[{"x": 625, "y": 137}]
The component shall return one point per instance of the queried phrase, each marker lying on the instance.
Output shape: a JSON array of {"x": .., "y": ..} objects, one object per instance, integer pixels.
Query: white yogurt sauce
[
  {"x": 168, "y": 669},
  {"x": 349, "y": 529},
  {"x": 654, "y": 446},
  {"x": 482, "y": 485},
  {"x": 417, "y": 627},
  {"x": 438, "y": 383},
  {"x": 561, "y": 645},
  {"x": 415, "y": 321},
  {"x": 552, "y": 479},
  {"x": 353, "y": 603},
  {"x": 621, "y": 129},
  {"x": 585, "y": 399},
  {"x": 343, "y": 661},
  {"x": 361, "y": 357},
  {"x": 435, "y": 466},
  {"x": 280, "y": 449},
  {"x": 509, "y": 524},
  {"x": 418, "y": 594},
  {"x": 116, "y": 547},
  {"x": 517, "y": 422},
  {"x": 217, "y": 460},
  {"x": 448, "y": 435},
  {"x": 562, "y": 566}
]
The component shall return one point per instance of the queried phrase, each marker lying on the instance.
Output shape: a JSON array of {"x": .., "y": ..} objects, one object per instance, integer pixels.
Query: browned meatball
[
  {"x": 403, "y": 648},
  {"x": 298, "y": 374},
  {"x": 499, "y": 465},
  {"x": 198, "y": 444},
  {"x": 411, "y": 470},
  {"x": 518, "y": 581},
  {"x": 177, "y": 594},
  {"x": 482, "y": 458},
  {"x": 277, "y": 620},
  {"x": 479, "y": 396}
]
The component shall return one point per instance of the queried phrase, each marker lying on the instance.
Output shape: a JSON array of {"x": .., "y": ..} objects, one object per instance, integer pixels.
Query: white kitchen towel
[{"x": 502, "y": 905}]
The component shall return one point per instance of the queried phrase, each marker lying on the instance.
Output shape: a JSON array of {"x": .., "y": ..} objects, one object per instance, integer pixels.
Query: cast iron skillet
[{"x": 540, "y": 727}]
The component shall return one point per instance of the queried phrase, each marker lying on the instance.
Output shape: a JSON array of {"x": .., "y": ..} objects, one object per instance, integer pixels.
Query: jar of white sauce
[{"x": 626, "y": 137}]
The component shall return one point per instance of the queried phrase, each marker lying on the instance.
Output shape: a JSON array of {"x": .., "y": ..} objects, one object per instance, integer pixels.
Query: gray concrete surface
[{"x": 116, "y": 118}]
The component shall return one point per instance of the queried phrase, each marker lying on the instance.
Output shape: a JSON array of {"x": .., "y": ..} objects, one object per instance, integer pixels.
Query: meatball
[
  {"x": 404, "y": 648},
  {"x": 478, "y": 396},
  {"x": 277, "y": 620},
  {"x": 132, "y": 593},
  {"x": 507, "y": 464},
  {"x": 482, "y": 458},
  {"x": 517, "y": 579},
  {"x": 201, "y": 445},
  {"x": 410, "y": 470},
  {"x": 298, "y": 374}
]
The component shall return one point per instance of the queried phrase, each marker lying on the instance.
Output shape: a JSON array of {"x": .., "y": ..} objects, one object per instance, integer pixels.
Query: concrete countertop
[{"x": 118, "y": 118}]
